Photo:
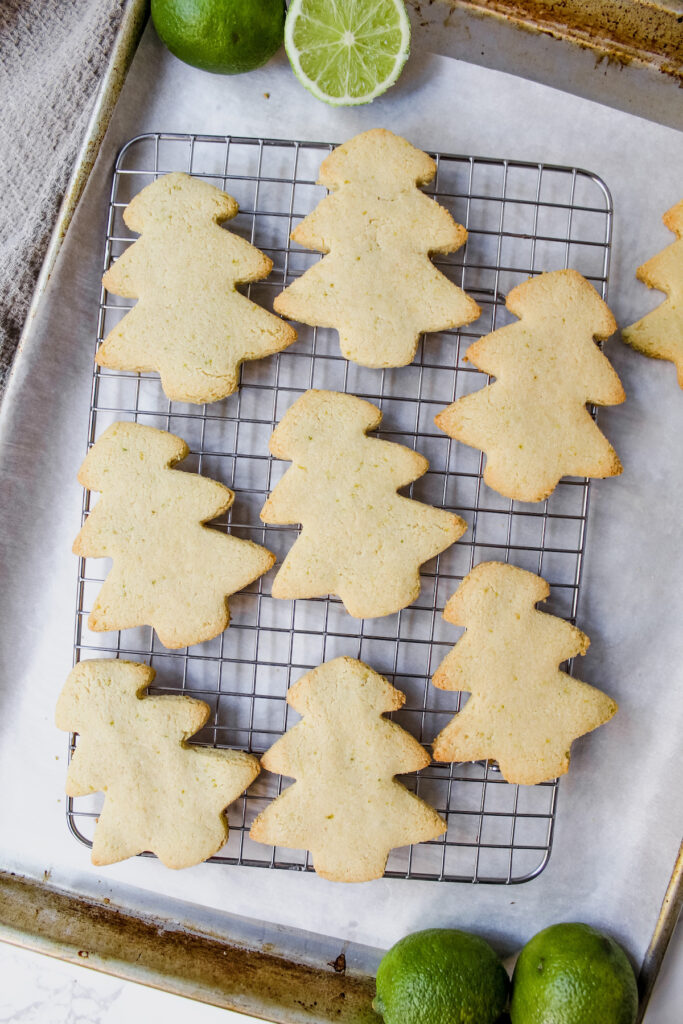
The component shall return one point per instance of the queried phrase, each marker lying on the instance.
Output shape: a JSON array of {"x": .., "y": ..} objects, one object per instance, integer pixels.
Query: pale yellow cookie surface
[
  {"x": 360, "y": 539},
  {"x": 659, "y": 334},
  {"x": 533, "y": 423},
  {"x": 346, "y": 807},
  {"x": 169, "y": 570},
  {"x": 190, "y": 324},
  {"x": 523, "y": 711},
  {"x": 160, "y": 794},
  {"x": 377, "y": 286}
]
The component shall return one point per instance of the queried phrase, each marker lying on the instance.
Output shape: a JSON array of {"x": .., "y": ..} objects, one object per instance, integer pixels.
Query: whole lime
[
  {"x": 441, "y": 976},
  {"x": 571, "y": 974},
  {"x": 223, "y": 36}
]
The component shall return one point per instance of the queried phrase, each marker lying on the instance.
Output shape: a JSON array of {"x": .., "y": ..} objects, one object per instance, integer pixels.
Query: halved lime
[{"x": 347, "y": 51}]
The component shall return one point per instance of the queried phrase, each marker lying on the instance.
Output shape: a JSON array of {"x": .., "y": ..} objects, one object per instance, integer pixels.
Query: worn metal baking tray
[
  {"x": 72, "y": 925},
  {"x": 626, "y": 53}
]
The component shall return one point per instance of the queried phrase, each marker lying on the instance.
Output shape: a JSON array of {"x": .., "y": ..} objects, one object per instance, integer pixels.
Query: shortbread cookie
[
  {"x": 160, "y": 794},
  {"x": 660, "y": 333},
  {"x": 377, "y": 286},
  {"x": 524, "y": 712},
  {"x": 360, "y": 539},
  {"x": 346, "y": 807},
  {"x": 170, "y": 571},
  {"x": 533, "y": 422},
  {"x": 190, "y": 324}
]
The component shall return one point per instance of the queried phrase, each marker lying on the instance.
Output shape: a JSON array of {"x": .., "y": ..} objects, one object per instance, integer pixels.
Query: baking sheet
[{"x": 620, "y": 815}]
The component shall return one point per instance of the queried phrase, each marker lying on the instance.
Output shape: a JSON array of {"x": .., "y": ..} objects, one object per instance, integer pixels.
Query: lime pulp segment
[{"x": 347, "y": 51}]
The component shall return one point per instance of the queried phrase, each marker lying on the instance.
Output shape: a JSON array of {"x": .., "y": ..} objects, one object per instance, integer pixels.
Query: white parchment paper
[{"x": 619, "y": 817}]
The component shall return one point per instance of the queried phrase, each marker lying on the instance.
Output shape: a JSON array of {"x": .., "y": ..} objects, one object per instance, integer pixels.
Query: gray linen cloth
[{"x": 52, "y": 56}]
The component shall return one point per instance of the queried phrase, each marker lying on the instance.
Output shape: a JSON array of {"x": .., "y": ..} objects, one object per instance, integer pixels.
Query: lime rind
[{"x": 343, "y": 51}]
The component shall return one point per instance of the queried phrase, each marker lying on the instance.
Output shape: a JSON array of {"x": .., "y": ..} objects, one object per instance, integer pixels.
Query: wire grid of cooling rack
[{"x": 522, "y": 219}]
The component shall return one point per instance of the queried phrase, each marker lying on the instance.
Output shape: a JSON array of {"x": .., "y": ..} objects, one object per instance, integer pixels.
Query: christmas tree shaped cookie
[
  {"x": 190, "y": 324},
  {"x": 524, "y": 712},
  {"x": 346, "y": 807},
  {"x": 377, "y": 286},
  {"x": 170, "y": 571},
  {"x": 533, "y": 422},
  {"x": 160, "y": 794},
  {"x": 360, "y": 539},
  {"x": 660, "y": 333}
]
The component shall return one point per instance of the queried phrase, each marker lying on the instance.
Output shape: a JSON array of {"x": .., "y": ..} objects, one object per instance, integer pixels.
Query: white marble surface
[{"x": 37, "y": 990}]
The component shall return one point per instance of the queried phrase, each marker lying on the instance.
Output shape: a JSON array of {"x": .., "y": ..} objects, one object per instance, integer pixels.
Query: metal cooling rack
[{"x": 522, "y": 219}]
